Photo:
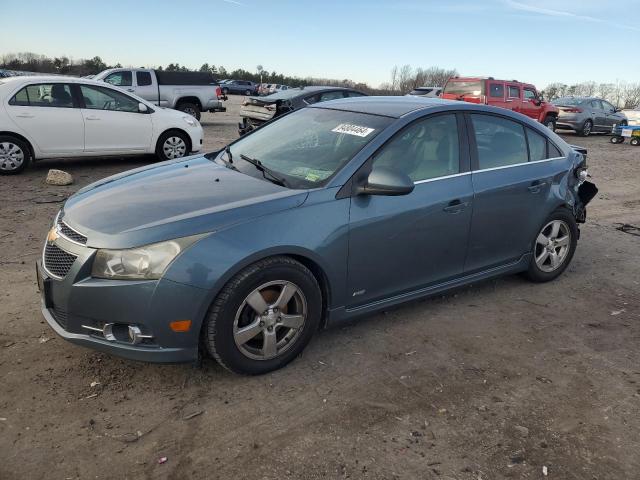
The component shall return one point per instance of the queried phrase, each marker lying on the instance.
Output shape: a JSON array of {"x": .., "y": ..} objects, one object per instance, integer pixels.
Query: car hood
[{"x": 170, "y": 200}]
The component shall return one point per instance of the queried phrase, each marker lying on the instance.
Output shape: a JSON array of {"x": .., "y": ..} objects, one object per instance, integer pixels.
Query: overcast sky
[{"x": 535, "y": 41}]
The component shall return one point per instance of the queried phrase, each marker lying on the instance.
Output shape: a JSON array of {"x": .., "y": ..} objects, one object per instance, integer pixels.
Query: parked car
[
  {"x": 55, "y": 116},
  {"x": 512, "y": 95},
  {"x": 276, "y": 87},
  {"x": 429, "y": 92},
  {"x": 255, "y": 111},
  {"x": 587, "y": 115},
  {"x": 263, "y": 89},
  {"x": 241, "y": 87},
  {"x": 189, "y": 92},
  {"x": 334, "y": 211},
  {"x": 632, "y": 116}
]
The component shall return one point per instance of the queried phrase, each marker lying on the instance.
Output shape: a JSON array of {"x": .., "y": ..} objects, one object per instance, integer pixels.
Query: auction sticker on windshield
[{"x": 356, "y": 130}]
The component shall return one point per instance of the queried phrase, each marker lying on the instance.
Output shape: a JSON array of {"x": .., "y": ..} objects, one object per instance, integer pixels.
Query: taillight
[
  {"x": 218, "y": 91},
  {"x": 572, "y": 110}
]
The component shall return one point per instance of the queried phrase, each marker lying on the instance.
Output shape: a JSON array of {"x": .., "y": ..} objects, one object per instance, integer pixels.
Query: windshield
[
  {"x": 458, "y": 87},
  {"x": 306, "y": 147},
  {"x": 568, "y": 101}
]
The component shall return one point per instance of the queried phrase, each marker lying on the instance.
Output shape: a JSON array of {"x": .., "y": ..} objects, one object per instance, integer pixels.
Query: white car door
[
  {"x": 113, "y": 122},
  {"x": 46, "y": 114}
]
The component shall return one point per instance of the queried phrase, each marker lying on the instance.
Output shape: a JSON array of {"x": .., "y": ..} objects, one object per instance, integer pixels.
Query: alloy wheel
[
  {"x": 174, "y": 147},
  {"x": 552, "y": 245},
  {"x": 11, "y": 156},
  {"x": 270, "y": 320}
]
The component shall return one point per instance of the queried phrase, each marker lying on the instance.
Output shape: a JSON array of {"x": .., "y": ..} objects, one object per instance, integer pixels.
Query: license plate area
[{"x": 44, "y": 285}]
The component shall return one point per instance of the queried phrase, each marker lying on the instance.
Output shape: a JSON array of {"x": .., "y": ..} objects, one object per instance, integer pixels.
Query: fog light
[
  {"x": 180, "y": 325},
  {"x": 135, "y": 335}
]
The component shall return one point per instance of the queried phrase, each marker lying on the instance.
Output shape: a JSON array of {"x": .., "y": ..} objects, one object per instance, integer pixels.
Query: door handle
[
  {"x": 130, "y": 90},
  {"x": 455, "y": 206},
  {"x": 536, "y": 187},
  {"x": 92, "y": 117},
  {"x": 25, "y": 115}
]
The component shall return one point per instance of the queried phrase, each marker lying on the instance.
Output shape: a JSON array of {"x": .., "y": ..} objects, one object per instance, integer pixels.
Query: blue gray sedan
[{"x": 330, "y": 212}]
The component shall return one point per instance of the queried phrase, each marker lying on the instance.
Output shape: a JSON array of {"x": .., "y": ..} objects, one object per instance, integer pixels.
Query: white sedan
[{"x": 53, "y": 117}]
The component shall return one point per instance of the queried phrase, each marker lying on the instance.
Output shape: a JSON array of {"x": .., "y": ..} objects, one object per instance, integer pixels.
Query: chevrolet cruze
[{"x": 330, "y": 212}]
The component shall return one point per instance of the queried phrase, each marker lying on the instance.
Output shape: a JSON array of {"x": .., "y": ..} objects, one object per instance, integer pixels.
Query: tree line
[{"x": 402, "y": 80}]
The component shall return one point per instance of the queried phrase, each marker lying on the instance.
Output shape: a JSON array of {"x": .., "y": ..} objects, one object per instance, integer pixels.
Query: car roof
[{"x": 394, "y": 107}]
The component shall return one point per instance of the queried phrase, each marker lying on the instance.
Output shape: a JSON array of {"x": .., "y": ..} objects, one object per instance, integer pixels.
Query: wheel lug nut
[{"x": 261, "y": 324}]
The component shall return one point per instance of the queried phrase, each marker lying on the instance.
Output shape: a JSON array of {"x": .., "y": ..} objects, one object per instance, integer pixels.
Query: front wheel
[
  {"x": 635, "y": 141},
  {"x": 550, "y": 123},
  {"x": 264, "y": 317},
  {"x": 172, "y": 145},
  {"x": 14, "y": 155},
  {"x": 553, "y": 247},
  {"x": 247, "y": 92}
]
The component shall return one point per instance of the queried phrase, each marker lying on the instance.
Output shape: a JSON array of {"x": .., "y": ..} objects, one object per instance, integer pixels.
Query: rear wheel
[
  {"x": 264, "y": 317},
  {"x": 616, "y": 139},
  {"x": 587, "y": 127},
  {"x": 172, "y": 145},
  {"x": 14, "y": 155},
  {"x": 247, "y": 92},
  {"x": 191, "y": 109},
  {"x": 635, "y": 141},
  {"x": 553, "y": 247},
  {"x": 225, "y": 90}
]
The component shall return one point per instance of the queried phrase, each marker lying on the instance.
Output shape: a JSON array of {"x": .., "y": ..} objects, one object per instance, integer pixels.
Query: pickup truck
[{"x": 189, "y": 92}]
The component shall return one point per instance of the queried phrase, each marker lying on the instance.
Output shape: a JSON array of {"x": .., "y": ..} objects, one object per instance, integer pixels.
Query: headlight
[
  {"x": 142, "y": 263},
  {"x": 189, "y": 120}
]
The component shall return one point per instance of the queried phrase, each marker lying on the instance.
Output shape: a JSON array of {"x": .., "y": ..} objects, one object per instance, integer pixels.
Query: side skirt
[{"x": 341, "y": 314}]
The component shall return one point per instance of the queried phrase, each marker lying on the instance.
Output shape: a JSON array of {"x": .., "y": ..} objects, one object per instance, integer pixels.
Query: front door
[
  {"x": 399, "y": 244},
  {"x": 530, "y": 103},
  {"x": 509, "y": 190},
  {"x": 113, "y": 122},
  {"x": 48, "y": 115}
]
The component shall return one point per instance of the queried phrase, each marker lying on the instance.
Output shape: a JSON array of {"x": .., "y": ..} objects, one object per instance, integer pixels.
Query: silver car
[{"x": 587, "y": 115}]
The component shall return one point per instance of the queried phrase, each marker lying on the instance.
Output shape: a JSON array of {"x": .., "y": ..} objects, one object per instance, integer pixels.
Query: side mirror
[
  {"x": 142, "y": 108},
  {"x": 384, "y": 181}
]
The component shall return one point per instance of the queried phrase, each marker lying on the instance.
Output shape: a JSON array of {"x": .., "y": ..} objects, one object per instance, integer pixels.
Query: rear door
[
  {"x": 496, "y": 94},
  {"x": 49, "y": 115},
  {"x": 399, "y": 244},
  {"x": 514, "y": 97},
  {"x": 112, "y": 122},
  {"x": 598, "y": 114},
  {"x": 511, "y": 193}
]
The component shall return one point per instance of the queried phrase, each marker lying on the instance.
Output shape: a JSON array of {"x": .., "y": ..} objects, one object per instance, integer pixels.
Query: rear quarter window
[{"x": 496, "y": 90}]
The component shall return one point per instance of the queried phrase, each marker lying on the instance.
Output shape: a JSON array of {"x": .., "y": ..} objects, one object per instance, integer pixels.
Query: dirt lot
[{"x": 494, "y": 381}]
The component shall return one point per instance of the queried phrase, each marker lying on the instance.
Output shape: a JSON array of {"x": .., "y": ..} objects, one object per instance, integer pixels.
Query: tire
[
  {"x": 15, "y": 155},
  {"x": 541, "y": 267},
  {"x": 247, "y": 92},
  {"x": 587, "y": 128},
  {"x": 173, "y": 144},
  {"x": 616, "y": 139},
  {"x": 231, "y": 315},
  {"x": 190, "y": 109},
  {"x": 225, "y": 91},
  {"x": 635, "y": 141},
  {"x": 550, "y": 123}
]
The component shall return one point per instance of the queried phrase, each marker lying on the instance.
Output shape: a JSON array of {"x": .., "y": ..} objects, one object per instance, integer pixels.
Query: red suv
[{"x": 514, "y": 95}]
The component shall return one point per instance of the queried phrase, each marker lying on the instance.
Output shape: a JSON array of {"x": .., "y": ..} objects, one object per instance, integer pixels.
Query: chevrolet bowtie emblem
[{"x": 52, "y": 236}]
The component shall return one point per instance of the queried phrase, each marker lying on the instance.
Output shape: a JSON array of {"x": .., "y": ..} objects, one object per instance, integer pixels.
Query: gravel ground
[{"x": 498, "y": 380}]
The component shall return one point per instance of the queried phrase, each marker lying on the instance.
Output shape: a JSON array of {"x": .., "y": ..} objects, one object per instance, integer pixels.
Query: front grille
[
  {"x": 70, "y": 233},
  {"x": 59, "y": 316},
  {"x": 57, "y": 261}
]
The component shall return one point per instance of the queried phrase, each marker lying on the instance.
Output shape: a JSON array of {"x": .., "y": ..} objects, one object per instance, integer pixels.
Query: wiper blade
[
  {"x": 229, "y": 161},
  {"x": 265, "y": 170}
]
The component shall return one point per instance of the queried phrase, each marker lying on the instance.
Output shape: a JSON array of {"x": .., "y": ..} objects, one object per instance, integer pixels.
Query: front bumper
[{"x": 77, "y": 307}]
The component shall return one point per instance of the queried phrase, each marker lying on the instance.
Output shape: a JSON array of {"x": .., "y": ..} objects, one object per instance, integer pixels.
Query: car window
[
  {"x": 119, "y": 79},
  {"x": 529, "y": 94},
  {"x": 496, "y": 90},
  {"x": 325, "y": 96},
  {"x": 98, "y": 98},
  {"x": 426, "y": 149},
  {"x": 554, "y": 152},
  {"x": 596, "y": 104},
  {"x": 44, "y": 95},
  {"x": 514, "y": 92},
  {"x": 537, "y": 146},
  {"x": 500, "y": 142},
  {"x": 608, "y": 107},
  {"x": 308, "y": 146},
  {"x": 143, "y": 78},
  {"x": 354, "y": 94}
]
